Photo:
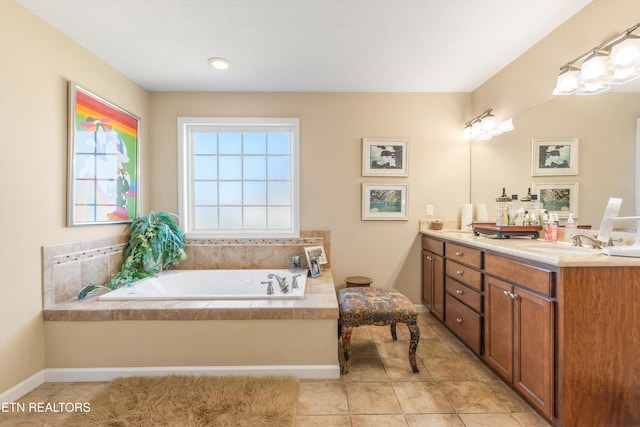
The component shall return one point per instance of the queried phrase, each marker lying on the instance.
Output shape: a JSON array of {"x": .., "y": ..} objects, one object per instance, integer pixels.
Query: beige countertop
[{"x": 552, "y": 253}]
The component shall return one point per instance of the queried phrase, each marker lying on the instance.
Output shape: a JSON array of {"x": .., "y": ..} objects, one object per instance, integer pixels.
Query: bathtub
[{"x": 210, "y": 285}]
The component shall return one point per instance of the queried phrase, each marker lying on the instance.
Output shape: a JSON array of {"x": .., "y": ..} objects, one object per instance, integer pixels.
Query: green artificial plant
[{"x": 155, "y": 243}]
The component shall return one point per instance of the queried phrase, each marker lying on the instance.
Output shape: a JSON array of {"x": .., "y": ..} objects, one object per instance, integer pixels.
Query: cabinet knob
[
  {"x": 459, "y": 272},
  {"x": 429, "y": 258},
  {"x": 506, "y": 293},
  {"x": 459, "y": 320},
  {"x": 458, "y": 253},
  {"x": 459, "y": 291}
]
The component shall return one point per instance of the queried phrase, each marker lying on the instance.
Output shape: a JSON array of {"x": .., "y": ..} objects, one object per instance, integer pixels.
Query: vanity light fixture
[
  {"x": 613, "y": 62},
  {"x": 219, "y": 63},
  {"x": 485, "y": 126}
]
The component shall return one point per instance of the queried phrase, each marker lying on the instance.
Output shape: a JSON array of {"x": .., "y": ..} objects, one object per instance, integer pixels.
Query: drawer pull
[
  {"x": 459, "y": 272},
  {"x": 458, "y": 253},
  {"x": 459, "y": 291},
  {"x": 459, "y": 320},
  {"x": 511, "y": 294}
]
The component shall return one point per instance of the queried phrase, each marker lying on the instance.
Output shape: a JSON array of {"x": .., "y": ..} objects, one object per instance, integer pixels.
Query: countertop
[{"x": 535, "y": 250}]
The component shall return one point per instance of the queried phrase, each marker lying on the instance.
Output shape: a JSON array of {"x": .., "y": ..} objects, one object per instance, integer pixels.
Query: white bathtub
[{"x": 210, "y": 285}]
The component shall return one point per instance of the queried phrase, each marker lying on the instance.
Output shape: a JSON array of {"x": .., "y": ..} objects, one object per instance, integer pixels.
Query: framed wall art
[
  {"x": 385, "y": 157},
  {"x": 384, "y": 202},
  {"x": 561, "y": 199},
  {"x": 103, "y": 167},
  {"x": 554, "y": 157}
]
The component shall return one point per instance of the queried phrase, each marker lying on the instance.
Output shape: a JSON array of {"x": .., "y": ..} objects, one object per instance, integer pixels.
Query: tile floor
[{"x": 453, "y": 388}]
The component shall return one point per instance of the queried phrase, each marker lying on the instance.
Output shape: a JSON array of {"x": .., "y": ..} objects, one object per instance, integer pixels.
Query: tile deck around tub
[{"x": 319, "y": 302}]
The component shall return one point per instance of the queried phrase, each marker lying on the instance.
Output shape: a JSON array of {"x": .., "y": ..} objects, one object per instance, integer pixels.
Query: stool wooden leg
[
  {"x": 346, "y": 346},
  {"x": 394, "y": 335},
  {"x": 413, "y": 345}
]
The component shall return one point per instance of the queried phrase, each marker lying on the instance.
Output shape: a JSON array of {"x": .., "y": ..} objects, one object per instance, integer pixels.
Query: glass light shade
[
  {"x": 625, "y": 55},
  {"x": 594, "y": 70},
  {"x": 567, "y": 82},
  {"x": 466, "y": 133},
  {"x": 624, "y": 76},
  {"x": 489, "y": 123},
  {"x": 593, "y": 88},
  {"x": 506, "y": 125},
  {"x": 484, "y": 137},
  {"x": 476, "y": 129}
]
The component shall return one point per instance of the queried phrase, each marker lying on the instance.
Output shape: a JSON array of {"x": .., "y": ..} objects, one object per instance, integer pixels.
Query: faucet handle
[
  {"x": 269, "y": 284},
  {"x": 294, "y": 283}
]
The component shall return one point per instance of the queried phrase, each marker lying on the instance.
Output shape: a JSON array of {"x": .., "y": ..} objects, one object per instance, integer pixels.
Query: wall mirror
[{"x": 605, "y": 127}]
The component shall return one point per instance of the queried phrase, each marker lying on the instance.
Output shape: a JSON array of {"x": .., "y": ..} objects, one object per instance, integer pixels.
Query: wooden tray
[{"x": 506, "y": 231}]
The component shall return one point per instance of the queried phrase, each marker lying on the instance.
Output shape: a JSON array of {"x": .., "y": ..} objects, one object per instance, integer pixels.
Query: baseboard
[
  {"x": 22, "y": 388},
  {"x": 108, "y": 374},
  {"x": 421, "y": 308}
]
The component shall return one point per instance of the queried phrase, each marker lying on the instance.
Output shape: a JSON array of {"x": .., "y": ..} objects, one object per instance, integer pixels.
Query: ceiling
[{"x": 307, "y": 45}]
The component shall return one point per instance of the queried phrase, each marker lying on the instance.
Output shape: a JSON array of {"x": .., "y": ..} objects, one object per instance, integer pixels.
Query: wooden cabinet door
[
  {"x": 427, "y": 279},
  {"x": 498, "y": 333},
  {"x": 437, "y": 303},
  {"x": 533, "y": 352}
]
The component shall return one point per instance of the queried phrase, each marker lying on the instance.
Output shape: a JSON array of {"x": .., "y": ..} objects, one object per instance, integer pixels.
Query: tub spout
[{"x": 282, "y": 282}]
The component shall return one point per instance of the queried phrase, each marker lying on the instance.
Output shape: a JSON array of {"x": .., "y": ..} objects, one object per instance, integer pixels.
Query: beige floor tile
[
  {"x": 508, "y": 397},
  {"x": 479, "y": 370},
  {"x": 378, "y": 421},
  {"x": 434, "y": 347},
  {"x": 323, "y": 421},
  {"x": 448, "y": 368},
  {"x": 434, "y": 420},
  {"x": 363, "y": 349},
  {"x": 382, "y": 332},
  {"x": 421, "y": 398},
  {"x": 471, "y": 397},
  {"x": 399, "y": 369},
  {"x": 393, "y": 349},
  {"x": 489, "y": 420},
  {"x": 366, "y": 370},
  {"x": 372, "y": 398},
  {"x": 322, "y": 398},
  {"x": 530, "y": 419}
]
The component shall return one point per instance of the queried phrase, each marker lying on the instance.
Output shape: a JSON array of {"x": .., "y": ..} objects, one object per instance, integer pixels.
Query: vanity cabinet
[
  {"x": 519, "y": 330},
  {"x": 433, "y": 276},
  {"x": 564, "y": 334}
]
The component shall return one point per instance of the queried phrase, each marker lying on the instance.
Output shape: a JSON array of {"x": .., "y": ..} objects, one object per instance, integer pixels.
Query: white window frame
[{"x": 185, "y": 182}]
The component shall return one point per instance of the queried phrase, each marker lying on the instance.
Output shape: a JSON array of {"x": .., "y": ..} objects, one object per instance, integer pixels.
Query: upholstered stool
[{"x": 365, "y": 306}]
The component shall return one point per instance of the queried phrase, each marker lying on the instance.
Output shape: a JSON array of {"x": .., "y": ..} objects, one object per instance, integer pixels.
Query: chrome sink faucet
[
  {"x": 282, "y": 282},
  {"x": 577, "y": 239}
]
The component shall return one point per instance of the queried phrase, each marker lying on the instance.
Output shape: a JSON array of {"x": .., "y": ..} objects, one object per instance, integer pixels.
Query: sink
[{"x": 561, "y": 249}]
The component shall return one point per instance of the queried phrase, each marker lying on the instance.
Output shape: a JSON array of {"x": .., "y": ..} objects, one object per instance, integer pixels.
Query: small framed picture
[
  {"x": 385, "y": 157},
  {"x": 316, "y": 252},
  {"x": 560, "y": 199},
  {"x": 554, "y": 157},
  {"x": 314, "y": 267},
  {"x": 384, "y": 202}
]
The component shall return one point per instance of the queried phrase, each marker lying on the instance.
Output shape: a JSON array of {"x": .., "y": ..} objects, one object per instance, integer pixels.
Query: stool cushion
[{"x": 363, "y": 306}]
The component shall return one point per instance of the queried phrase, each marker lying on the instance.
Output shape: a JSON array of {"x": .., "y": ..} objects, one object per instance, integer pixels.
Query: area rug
[{"x": 178, "y": 400}]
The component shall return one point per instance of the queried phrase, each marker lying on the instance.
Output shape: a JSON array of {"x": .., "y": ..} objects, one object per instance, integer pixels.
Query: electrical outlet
[{"x": 429, "y": 210}]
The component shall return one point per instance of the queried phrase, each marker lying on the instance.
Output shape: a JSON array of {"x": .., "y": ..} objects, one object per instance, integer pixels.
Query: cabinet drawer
[
  {"x": 467, "y": 295},
  {"x": 464, "y": 322},
  {"x": 464, "y": 274},
  {"x": 533, "y": 278},
  {"x": 464, "y": 254},
  {"x": 433, "y": 245}
]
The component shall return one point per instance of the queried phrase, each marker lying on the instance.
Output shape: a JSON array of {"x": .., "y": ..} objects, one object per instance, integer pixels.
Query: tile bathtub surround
[
  {"x": 68, "y": 267},
  {"x": 453, "y": 388}
]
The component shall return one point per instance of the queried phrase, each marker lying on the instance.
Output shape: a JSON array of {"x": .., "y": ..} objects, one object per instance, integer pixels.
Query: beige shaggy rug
[{"x": 193, "y": 401}]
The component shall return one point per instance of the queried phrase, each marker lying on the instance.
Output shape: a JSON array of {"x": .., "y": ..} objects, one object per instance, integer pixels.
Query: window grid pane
[{"x": 240, "y": 179}]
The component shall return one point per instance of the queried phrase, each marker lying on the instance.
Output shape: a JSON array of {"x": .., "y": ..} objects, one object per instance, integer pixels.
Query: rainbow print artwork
[{"x": 103, "y": 163}]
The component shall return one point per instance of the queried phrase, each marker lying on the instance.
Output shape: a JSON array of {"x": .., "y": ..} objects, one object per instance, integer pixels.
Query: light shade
[
  {"x": 625, "y": 56},
  {"x": 567, "y": 82},
  {"x": 484, "y": 127},
  {"x": 594, "y": 70}
]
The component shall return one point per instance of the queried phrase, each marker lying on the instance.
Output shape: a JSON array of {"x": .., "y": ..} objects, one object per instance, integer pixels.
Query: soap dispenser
[
  {"x": 571, "y": 222},
  {"x": 502, "y": 209}
]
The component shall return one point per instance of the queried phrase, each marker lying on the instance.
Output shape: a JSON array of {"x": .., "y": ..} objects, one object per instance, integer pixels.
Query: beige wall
[
  {"x": 604, "y": 124},
  {"x": 36, "y": 61},
  {"x": 332, "y": 126}
]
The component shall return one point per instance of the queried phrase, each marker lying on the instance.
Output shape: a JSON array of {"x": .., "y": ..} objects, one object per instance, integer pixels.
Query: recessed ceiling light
[{"x": 219, "y": 63}]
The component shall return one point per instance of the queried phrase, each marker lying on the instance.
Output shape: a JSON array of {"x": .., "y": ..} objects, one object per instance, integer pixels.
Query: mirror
[{"x": 605, "y": 126}]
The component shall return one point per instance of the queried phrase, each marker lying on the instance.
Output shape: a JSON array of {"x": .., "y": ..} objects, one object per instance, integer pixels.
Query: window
[{"x": 239, "y": 177}]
